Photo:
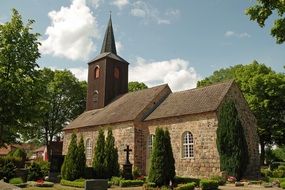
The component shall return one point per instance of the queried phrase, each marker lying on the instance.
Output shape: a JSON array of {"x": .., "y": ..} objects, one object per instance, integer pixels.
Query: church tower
[{"x": 107, "y": 74}]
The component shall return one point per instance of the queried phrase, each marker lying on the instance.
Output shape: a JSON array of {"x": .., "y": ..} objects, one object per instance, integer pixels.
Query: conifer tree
[
  {"x": 111, "y": 156},
  {"x": 99, "y": 156},
  {"x": 157, "y": 173},
  {"x": 170, "y": 166},
  {"x": 231, "y": 142},
  {"x": 69, "y": 168},
  {"x": 81, "y": 158}
]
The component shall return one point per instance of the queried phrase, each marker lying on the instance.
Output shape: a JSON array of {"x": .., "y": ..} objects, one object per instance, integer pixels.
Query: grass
[{"x": 55, "y": 187}]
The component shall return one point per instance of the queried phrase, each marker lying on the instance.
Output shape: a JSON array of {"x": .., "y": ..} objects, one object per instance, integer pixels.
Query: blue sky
[{"x": 175, "y": 42}]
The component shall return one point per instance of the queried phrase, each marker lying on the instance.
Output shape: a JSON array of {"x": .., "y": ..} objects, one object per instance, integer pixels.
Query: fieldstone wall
[
  {"x": 123, "y": 132},
  {"x": 203, "y": 128},
  {"x": 250, "y": 129}
]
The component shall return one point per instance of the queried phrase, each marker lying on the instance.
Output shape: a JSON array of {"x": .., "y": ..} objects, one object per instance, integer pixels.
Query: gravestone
[
  {"x": 127, "y": 167},
  {"x": 96, "y": 184}
]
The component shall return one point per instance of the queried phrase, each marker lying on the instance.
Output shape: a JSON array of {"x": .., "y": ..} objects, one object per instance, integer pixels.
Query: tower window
[
  {"x": 96, "y": 72},
  {"x": 95, "y": 96},
  {"x": 117, "y": 73}
]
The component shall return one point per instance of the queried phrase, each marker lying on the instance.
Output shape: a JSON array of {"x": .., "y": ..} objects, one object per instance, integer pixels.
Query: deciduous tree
[
  {"x": 18, "y": 55},
  {"x": 135, "y": 86},
  {"x": 263, "y": 9},
  {"x": 61, "y": 99}
]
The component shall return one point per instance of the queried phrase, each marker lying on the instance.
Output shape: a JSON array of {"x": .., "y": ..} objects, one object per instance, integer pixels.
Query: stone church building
[{"x": 190, "y": 116}]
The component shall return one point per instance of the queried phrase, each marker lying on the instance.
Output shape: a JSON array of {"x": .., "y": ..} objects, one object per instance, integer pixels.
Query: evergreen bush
[
  {"x": 35, "y": 172},
  {"x": 162, "y": 168},
  {"x": 69, "y": 168},
  {"x": 111, "y": 157},
  {"x": 231, "y": 142},
  {"x": 7, "y": 169},
  {"x": 99, "y": 157},
  {"x": 169, "y": 159},
  {"x": 81, "y": 158}
]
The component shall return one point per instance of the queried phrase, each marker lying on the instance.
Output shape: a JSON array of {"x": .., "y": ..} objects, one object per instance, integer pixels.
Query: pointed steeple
[{"x": 109, "y": 40}]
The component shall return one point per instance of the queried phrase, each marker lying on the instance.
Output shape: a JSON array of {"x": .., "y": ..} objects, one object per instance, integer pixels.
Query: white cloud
[
  {"x": 80, "y": 73},
  {"x": 147, "y": 12},
  {"x": 173, "y": 12},
  {"x": 236, "y": 34},
  {"x": 120, "y": 3},
  {"x": 96, "y": 3},
  {"x": 176, "y": 72},
  {"x": 119, "y": 46},
  {"x": 71, "y": 32}
]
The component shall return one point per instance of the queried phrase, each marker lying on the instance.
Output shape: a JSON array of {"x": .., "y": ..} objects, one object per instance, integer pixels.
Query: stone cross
[{"x": 127, "y": 150}]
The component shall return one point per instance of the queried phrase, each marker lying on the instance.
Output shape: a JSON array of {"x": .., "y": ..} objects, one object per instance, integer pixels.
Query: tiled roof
[
  {"x": 194, "y": 101},
  {"x": 125, "y": 108},
  {"x": 110, "y": 55}
]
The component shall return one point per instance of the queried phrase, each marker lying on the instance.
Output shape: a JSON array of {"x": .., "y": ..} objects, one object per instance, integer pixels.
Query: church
[{"x": 191, "y": 116}]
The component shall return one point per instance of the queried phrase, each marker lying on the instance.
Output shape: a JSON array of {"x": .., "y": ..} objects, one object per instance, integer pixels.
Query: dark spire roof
[{"x": 109, "y": 40}]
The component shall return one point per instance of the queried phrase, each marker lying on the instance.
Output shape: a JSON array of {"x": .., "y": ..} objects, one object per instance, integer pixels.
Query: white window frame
[
  {"x": 88, "y": 149},
  {"x": 150, "y": 143},
  {"x": 187, "y": 145}
]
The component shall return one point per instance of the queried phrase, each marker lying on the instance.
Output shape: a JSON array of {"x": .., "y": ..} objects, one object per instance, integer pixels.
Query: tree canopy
[
  {"x": 18, "y": 55},
  {"x": 264, "y": 91},
  {"x": 61, "y": 97},
  {"x": 263, "y": 9},
  {"x": 135, "y": 86}
]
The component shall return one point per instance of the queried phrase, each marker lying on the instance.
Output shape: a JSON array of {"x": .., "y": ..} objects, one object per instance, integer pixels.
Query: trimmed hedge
[
  {"x": 76, "y": 183},
  {"x": 179, "y": 180},
  {"x": 16, "y": 180},
  {"x": 131, "y": 183},
  {"x": 45, "y": 184},
  {"x": 188, "y": 186},
  {"x": 221, "y": 180},
  {"x": 282, "y": 185},
  {"x": 116, "y": 180},
  {"x": 207, "y": 184}
]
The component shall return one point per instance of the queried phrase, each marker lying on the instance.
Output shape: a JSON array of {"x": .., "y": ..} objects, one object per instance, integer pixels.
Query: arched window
[
  {"x": 88, "y": 149},
  {"x": 96, "y": 72},
  {"x": 116, "y": 73},
  {"x": 187, "y": 145},
  {"x": 95, "y": 96},
  {"x": 150, "y": 143}
]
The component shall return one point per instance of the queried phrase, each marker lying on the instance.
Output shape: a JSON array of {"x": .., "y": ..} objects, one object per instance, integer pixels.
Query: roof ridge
[{"x": 203, "y": 87}]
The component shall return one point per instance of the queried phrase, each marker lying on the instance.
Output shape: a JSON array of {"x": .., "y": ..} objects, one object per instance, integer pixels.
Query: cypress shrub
[
  {"x": 231, "y": 142},
  {"x": 69, "y": 167},
  {"x": 111, "y": 156},
  {"x": 99, "y": 156},
  {"x": 157, "y": 173},
  {"x": 170, "y": 162},
  {"x": 81, "y": 158}
]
